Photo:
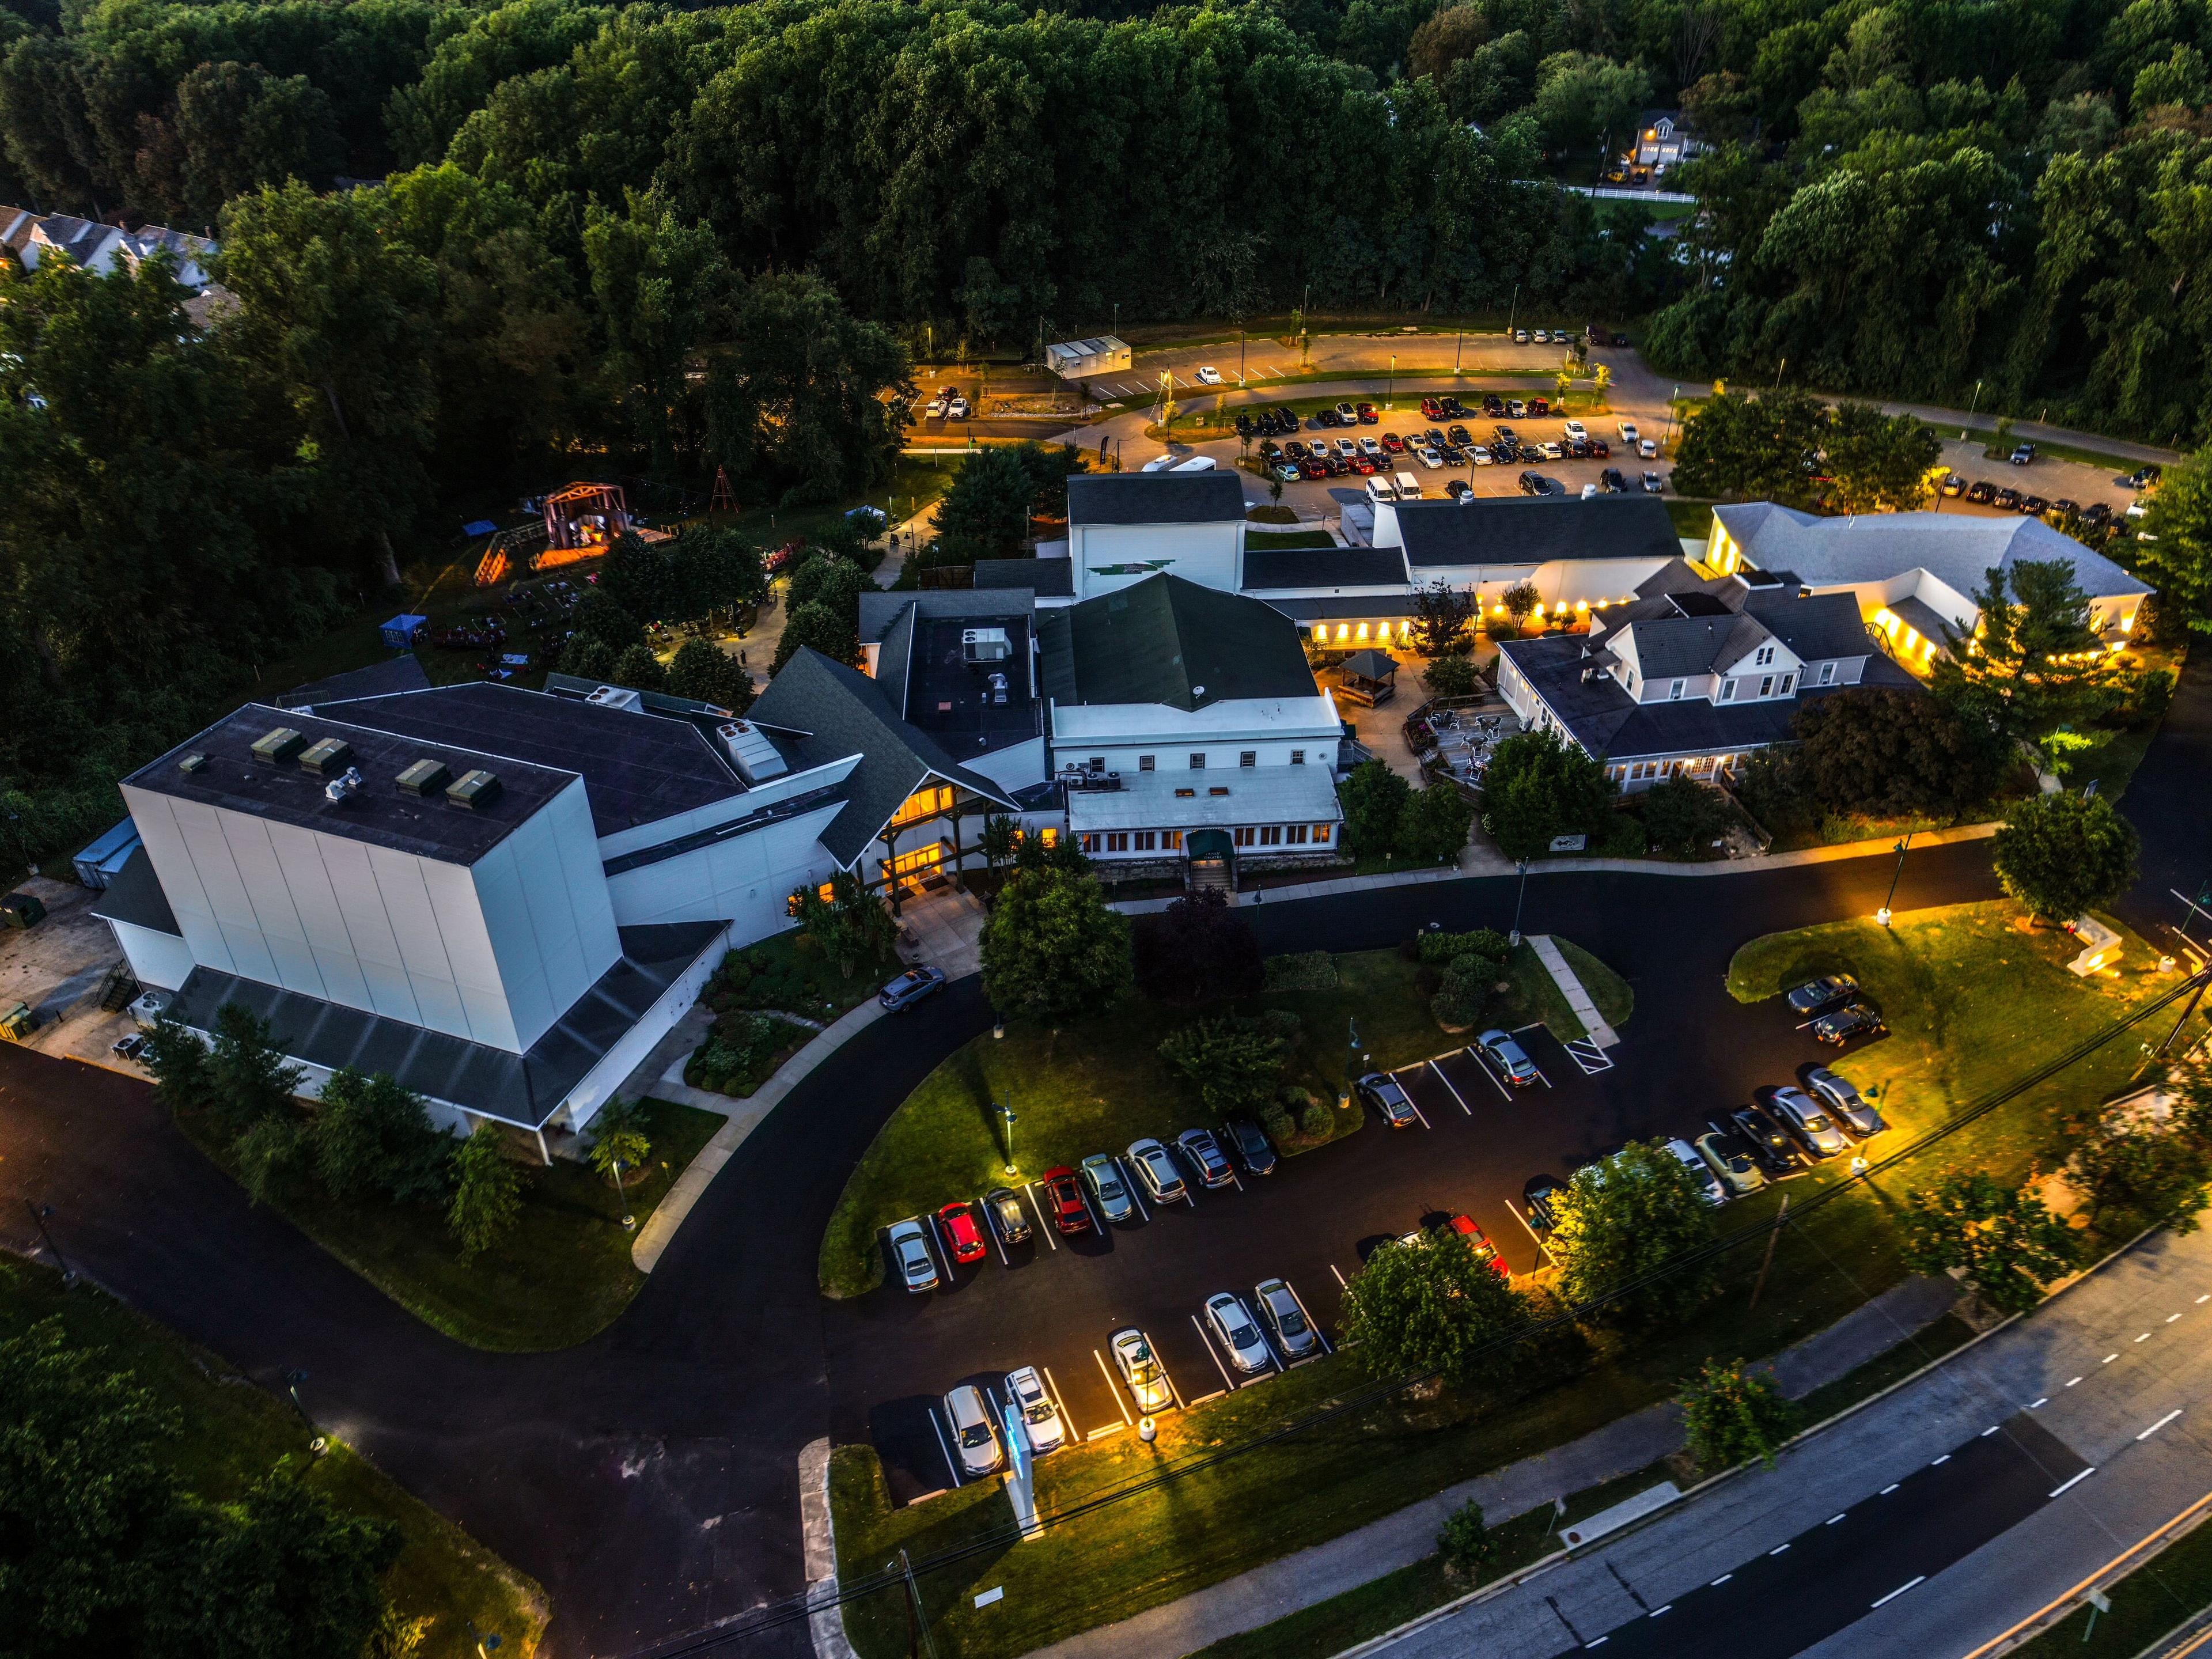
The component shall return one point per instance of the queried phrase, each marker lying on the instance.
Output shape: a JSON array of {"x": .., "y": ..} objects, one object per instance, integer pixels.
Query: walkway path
[
  {"x": 1578, "y": 998},
  {"x": 1312, "y": 1575}
]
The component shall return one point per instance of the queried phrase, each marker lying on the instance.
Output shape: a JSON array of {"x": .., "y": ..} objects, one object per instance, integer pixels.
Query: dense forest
[{"x": 462, "y": 242}]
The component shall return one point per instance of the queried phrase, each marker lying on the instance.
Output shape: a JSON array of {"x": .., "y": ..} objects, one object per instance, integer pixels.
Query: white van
[
  {"x": 1195, "y": 463},
  {"x": 1381, "y": 489},
  {"x": 1409, "y": 487},
  {"x": 1159, "y": 463}
]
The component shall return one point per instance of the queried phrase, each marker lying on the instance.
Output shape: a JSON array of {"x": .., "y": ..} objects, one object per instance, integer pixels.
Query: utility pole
[
  {"x": 39, "y": 1214},
  {"x": 1882, "y": 915},
  {"x": 1518, "y": 899},
  {"x": 1780, "y": 1216},
  {"x": 1513, "y": 311}
]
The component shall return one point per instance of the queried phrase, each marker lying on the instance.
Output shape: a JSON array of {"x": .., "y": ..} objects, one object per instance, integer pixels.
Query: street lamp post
[
  {"x": 1970, "y": 408},
  {"x": 1882, "y": 915},
  {"x": 1518, "y": 898},
  {"x": 39, "y": 1214},
  {"x": 1007, "y": 1113},
  {"x": 1391, "y": 398},
  {"x": 1513, "y": 311}
]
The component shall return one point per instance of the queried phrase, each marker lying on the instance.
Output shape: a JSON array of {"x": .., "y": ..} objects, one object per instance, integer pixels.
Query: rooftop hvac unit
[
  {"x": 985, "y": 645},
  {"x": 756, "y": 758},
  {"x": 346, "y": 783},
  {"x": 283, "y": 743},
  {"x": 328, "y": 758},
  {"x": 617, "y": 697},
  {"x": 475, "y": 790},
  {"x": 426, "y": 777}
]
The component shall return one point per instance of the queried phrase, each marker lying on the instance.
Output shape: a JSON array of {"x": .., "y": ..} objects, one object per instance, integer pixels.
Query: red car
[
  {"x": 1367, "y": 414},
  {"x": 1393, "y": 443},
  {"x": 1433, "y": 410},
  {"x": 1478, "y": 1241},
  {"x": 1540, "y": 405},
  {"x": 957, "y": 1222},
  {"x": 1313, "y": 469},
  {"x": 1063, "y": 1195},
  {"x": 1362, "y": 465}
]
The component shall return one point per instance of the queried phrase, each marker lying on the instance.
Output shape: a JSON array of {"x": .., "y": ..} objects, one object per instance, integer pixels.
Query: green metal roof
[{"x": 1168, "y": 641}]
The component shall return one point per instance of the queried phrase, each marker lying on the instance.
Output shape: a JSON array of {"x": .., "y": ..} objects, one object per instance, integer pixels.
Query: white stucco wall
[{"x": 1211, "y": 554}]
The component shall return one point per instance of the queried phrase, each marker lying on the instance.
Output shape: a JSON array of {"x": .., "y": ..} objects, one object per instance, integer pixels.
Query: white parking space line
[
  {"x": 1235, "y": 1182},
  {"x": 1043, "y": 1226},
  {"x": 1455, "y": 1093},
  {"x": 1418, "y": 1112},
  {"x": 1310, "y": 1319},
  {"x": 997, "y": 1243},
  {"x": 1173, "y": 1393},
  {"x": 1135, "y": 1197},
  {"x": 1226, "y": 1379},
  {"x": 1341, "y": 1285},
  {"x": 946, "y": 1255},
  {"x": 946, "y": 1446},
  {"x": 1482, "y": 1060},
  {"x": 1097, "y": 1216},
  {"x": 1537, "y": 1237},
  {"x": 1066, "y": 1417},
  {"x": 1112, "y": 1388}
]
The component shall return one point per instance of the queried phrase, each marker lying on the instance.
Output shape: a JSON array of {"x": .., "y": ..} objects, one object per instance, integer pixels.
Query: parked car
[
  {"x": 1817, "y": 996},
  {"x": 1432, "y": 409},
  {"x": 1235, "y": 1331},
  {"x": 2022, "y": 454},
  {"x": 1103, "y": 1176},
  {"x": 974, "y": 1437},
  {"x": 1611, "y": 478},
  {"x": 1251, "y": 1143},
  {"x": 2034, "y": 505},
  {"x": 963, "y": 1240},
  {"x": 1576, "y": 431},
  {"x": 1476, "y": 1241},
  {"x": 1460, "y": 434},
  {"x": 1141, "y": 1369},
  {"x": 1627, "y": 430},
  {"x": 910, "y": 1243},
  {"x": 1648, "y": 448},
  {"x": 1813, "y": 1129},
  {"x": 1837, "y": 1094},
  {"x": 1206, "y": 1156},
  {"x": 1540, "y": 1193},
  {"x": 1520, "y": 337},
  {"x": 1853, "y": 1019},
  {"x": 2006, "y": 501},
  {"x": 1729, "y": 1157},
  {"x": 1063, "y": 1194},
  {"x": 1952, "y": 484},
  {"x": 1653, "y": 483},
  {"x": 1429, "y": 458},
  {"x": 1709, "y": 1184},
  {"x": 1040, "y": 1411},
  {"x": 1003, "y": 1206},
  {"x": 1367, "y": 414},
  {"x": 1515, "y": 409},
  {"x": 1289, "y": 471},
  {"x": 1156, "y": 1170},
  {"x": 1508, "y": 1057},
  {"x": 1409, "y": 487},
  {"x": 1532, "y": 484},
  {"x": 956, "y": 410},
  {"x": 910, "y": 987},
  {"x": 1286, "y": 1321},
  {"x": 1381, "y": 1092},
  {"x": 1981, "y": 492},
  {"x": 1456, "y": 488},
  {"x": 1478, "y": 455},
  {"x": 1209, "y": 377},
  {"x": 1393, "y": 444},
  {"x": 1772, "y": 1149}
]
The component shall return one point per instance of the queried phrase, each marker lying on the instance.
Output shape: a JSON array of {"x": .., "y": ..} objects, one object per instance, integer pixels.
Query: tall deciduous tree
[
  {"x": 1052, "y": 950},
  {"x": 703, "y": 672},
  {"x": 1730, "y": 1416},
  {"x": 1744, "y": 448},
  {"x": 371, "y": 1138},
  {"x": 1432, "y": 825},
  {"x": 1235, "y": 1062},
  {"x": 1874, "y": 749},
  {"x": 2180, "y": 558},
  {"x": 1196, "y": 950},
  {"x": 1634, "y": 1213},
  {"x": 2005, "y": 1239},
  {"x": 2061, "y": 854},
  {"x": 1433, "y": 1305},
  {"x": 1880, "y": 463},
  {"x": 1444, "y": 616},
  {"x": 1537, "y": 788},
  {"x": 1373, "y": 798},
  {"x": 487, "y": 1192}
]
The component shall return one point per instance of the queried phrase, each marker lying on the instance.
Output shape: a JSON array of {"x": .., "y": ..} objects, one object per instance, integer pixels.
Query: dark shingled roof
[
  {"x": 1048, "y": 579},
  {"x": 1215, "y": 497},
  {"x": 1168, "y": 641},
  {"x": 637, "y": 767},
  {"x": 1536, "y": 529},
  {"x": 832, "y": 712},
  {"x": 1270, "y": 568},
  {"x": 134, "y": 895},
  {"x": 1606, "y": 721},
  {"x": 379, "y": 813},
  {"x": 400, "y": 673},
  {"x": 1817, "y": 626},
  {"x": 524, "y": 1089}
]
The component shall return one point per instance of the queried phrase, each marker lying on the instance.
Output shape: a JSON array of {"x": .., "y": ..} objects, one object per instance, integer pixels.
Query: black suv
[
  {"x": 1249, "y": 1142},
  {"x": 1769, "y": 1145}
]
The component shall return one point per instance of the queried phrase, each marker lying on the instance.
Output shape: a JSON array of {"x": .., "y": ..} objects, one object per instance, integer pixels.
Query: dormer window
[
  {"x": 1765, "y": 657},
  {"x": 1674, "y": 691}
]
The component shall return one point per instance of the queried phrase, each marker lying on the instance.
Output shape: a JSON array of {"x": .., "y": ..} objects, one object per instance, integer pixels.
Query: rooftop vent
[
  {"x": 346, "y": 783},
  {"x": 274, "y": 748},
  {"x": 617, "y": 697},
  {"x": 985, "y": 645},
  {"x": 475, "y": 790},
  {"x": 327, "y": 758},
  {"x": 194, "y": 762},
  {"x": 426, "y": 777},
  {"x": 750, "y": 751}
]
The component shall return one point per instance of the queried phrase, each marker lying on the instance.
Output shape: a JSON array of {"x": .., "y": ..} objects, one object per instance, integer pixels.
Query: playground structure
[{"x": 580, "y": 522}]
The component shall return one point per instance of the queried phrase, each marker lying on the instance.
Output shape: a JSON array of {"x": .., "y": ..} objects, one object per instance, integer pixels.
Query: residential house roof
[
  {"x": 1163, "y": 640},
  {"x": 1958, "y": 549},
  {"x": 1816, "y": 626},
  {"x": 1528, "y": 530},
  {"x": 1155, "y": 498},
  {"x": 1270, "y": 568}
]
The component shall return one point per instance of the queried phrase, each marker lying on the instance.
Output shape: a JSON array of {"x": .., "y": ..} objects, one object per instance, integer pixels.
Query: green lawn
[
  {"x": 787, "y": 971},
  {"x": 1615, "y": 1001},
  {"x": 1956, "y": 1040},
  {"x": 561, "y": 1275},
  {"x": 1537, "y": 996},
  {"x": 232, "y": 1431},
  {"x": 2173, "y": 1586}
]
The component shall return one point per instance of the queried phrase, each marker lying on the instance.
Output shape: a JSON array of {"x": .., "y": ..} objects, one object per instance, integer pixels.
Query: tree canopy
[
  {"x": 1539, "y": 786},
  {"x": 1622, "y": 1218},
  {"x": 1051, "y": 948},
  {"x": 2061, "y": 854}
]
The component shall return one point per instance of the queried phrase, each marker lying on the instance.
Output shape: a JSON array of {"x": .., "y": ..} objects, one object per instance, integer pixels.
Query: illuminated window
[
  {"x": 909, "y": 864},
  {"x": 1090, "y": 843},
  {"x": 1172, "y": 839},
  {"x": 1049, "y": 835},
  {"x": 1185, "y": 795},
  {"x": 929, "y": 802},
  {"x": 1322, "y": 833}
]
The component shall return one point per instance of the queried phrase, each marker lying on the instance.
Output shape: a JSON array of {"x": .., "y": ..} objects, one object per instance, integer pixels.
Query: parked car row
[
  {"x": 1835, "y": 1009},
  {"x": 1982, "y": 493},
  {"x": 950, "y": 403}
]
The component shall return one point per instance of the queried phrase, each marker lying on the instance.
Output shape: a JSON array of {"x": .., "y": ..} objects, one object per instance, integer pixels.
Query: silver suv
[
  {"x": 1103, "y": 1176},
  {"x": 910, "y": 1243}
]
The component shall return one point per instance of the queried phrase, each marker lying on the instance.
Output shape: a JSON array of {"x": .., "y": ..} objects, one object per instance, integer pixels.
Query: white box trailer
[{"x": 1079, "y": 360}]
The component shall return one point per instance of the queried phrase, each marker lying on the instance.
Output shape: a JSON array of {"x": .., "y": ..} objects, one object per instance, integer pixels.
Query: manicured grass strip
[
  {"x": 563, "y": 1275},
  {"x": 1537, "y": 996},
  {"x": 2169, "y": 1589},
  {"x": 233, "y": 1432},
  {"x": 1615, "y": 1001}
]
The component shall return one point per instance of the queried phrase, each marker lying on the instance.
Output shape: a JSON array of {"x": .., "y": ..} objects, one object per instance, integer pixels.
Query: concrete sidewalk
[
  {"x": 1578, "y": 998},
  {"x": 1311, "y": 1575}
]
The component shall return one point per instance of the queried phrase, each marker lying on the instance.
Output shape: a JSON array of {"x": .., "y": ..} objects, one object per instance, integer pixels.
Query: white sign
[
  {"x": 996, "y": 1593},
  {"x": 1569, "y": 843}
]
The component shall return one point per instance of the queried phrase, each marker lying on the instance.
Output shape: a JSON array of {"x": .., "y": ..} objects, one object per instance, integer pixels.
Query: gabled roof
[
  {"x": 1536, "y": 530},
  {"x": 1269, "y": 569},
  {"x": 1164, "y": 640},
  {"x": 1817, "y": 626},
  {"x": 831, "y": 713},
  {"x": 1669, "y": 646},
  {"x": 1958, "y": 549},
  {"x": 1214, "y": 498}
]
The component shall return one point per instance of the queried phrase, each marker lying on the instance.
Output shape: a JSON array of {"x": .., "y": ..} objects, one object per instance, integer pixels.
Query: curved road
[{"x": 648, "y": 1477}]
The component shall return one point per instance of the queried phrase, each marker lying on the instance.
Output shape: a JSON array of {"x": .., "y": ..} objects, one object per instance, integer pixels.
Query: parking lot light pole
[
  {"x": 1518, "y": 899},
  {"x": 1391, "y": 398},
  {"x": 1882, "y": 915},
  {"x": 39, "y": 1214},
  {"x": 1007, "y": 1113}
]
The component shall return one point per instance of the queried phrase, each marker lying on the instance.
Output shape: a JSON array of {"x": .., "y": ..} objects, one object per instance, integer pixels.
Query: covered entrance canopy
[{"x": 1370, "y": 677}]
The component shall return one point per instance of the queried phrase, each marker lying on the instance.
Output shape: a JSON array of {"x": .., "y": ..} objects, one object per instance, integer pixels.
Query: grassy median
[{"x": 234, "y": 1431}]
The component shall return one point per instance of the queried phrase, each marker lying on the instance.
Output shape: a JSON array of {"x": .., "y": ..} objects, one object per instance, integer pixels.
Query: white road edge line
[
  {"x": 1210, "y": 1354},
  {"x": 946, "y": 1446},
  {"x": 2076, "y": 1480},
  {"x": 1455, "y": 1093},
  {"x": 1113, "y": 1388},
  {"x": 1901, "y": 1588},
  {"x": 1043, "y": 1226},
  {"x": 2160, "y": 1424}
]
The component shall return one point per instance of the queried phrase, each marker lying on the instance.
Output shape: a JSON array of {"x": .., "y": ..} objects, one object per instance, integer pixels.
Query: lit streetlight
[
  {"x": 1007, "y": 1113},
  {"x": 1518, "y": 899},
  {"x": 1882, "y": 915}
]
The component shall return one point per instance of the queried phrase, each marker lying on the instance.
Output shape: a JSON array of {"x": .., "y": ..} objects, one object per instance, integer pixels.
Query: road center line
[
  {"x": 2076, "y": 1480},
  {"x": 1655, "y": 1611},
  {"x": 2108, "y": 1360},
  {"x": 1991, "y": 1430},
  {"x": 2045, "y": 1400},
  {"x": 1778, "y": 1549},
  {"x": 1833, "y": 1519},
  {"x": 1901, "y": 1588},
  {"x": 2170, "y": 1318},
  {"x": 2160, "y": 1424},
  {"x": 1888, "y": 1489},
  {"x": 2145, "y": 1337},
  {"x": 2203, "y": 1299},
  {"x": 1718, "y": 1582},
  {"x": 2071, "y": 1380},
  {"x": 1945, "y": 1458}
]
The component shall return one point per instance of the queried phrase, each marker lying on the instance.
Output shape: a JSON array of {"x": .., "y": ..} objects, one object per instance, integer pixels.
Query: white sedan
[
  {"x": 1142, "y": 1371},
  {"x": 972, "y": 1431},
  {"x": 1040, "y": 1414},
  {"x": 1209, "y": 377}
]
